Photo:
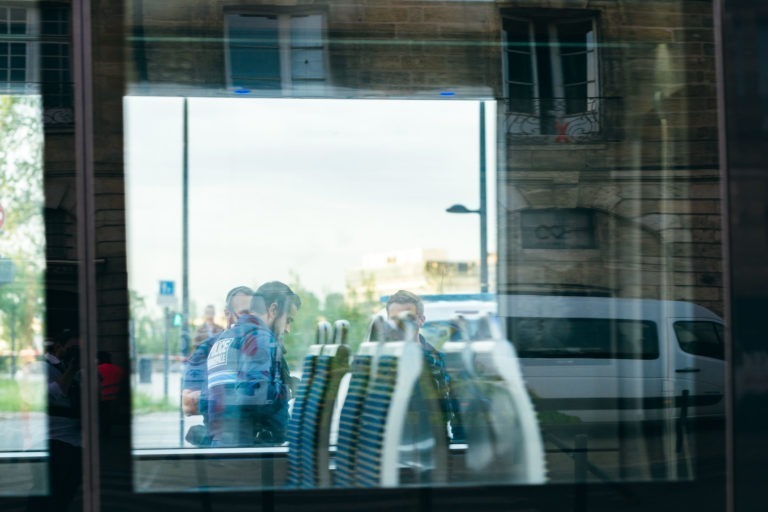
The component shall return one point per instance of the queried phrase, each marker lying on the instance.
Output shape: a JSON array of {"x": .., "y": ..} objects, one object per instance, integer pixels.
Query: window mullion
[
  {"x": 535, "y": 68},
  {"x": 556, "y": 65},
  {"x": 284, "y": 43},
  {"x": 33, "y": 47}
]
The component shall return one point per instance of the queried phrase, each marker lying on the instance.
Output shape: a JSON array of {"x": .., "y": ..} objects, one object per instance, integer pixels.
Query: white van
[{"x": 611, "y": 359}]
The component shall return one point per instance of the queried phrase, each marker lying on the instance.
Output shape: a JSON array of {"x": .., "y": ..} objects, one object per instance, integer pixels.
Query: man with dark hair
[
  {"x": 194, "y": 384},
  {"x": 407, "y": 302},
  {"x": 247, "y": 392}
]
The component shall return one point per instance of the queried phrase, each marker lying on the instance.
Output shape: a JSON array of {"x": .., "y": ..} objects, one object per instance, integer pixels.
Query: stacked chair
[
  {"x": 391, "y": 429},
  {"x": 504, "y": 442},
  {"x": 309, "y": 429},
  {"x": 383, "y": 432}
]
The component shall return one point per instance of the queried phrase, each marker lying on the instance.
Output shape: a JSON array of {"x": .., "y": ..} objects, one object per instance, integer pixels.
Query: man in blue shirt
[
  {"x": 194, "y": 385},
  {"x": 247, "y": 390}
]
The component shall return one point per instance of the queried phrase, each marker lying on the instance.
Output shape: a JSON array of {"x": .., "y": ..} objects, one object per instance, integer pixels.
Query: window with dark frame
[
  {"x": 551, "y": 75},
  {"x": 35, "y": 58},
  {"x": 18, "y": 51},
  {"x": 280, "y": 51}
]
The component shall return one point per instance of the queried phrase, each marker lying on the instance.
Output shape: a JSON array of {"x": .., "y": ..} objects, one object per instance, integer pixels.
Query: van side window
[
  {"x": 587, "y": 338},
  {"x": 701, "y": 338}
]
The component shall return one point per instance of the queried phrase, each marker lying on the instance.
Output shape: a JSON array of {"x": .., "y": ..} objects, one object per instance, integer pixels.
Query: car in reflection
[{"x": 441, "y": 311}]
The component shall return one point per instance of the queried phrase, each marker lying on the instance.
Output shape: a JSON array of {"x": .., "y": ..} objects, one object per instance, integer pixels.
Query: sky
[{"x": 283, "y": 187}]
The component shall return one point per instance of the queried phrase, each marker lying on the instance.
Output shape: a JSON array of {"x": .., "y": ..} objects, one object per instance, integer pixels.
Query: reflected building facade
[{"x": 607, "y": 122}]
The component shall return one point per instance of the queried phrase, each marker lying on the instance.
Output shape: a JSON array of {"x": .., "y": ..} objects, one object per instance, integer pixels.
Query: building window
[
  {"x": 35, "y": 58},
  {"x": 279, "y": 52},
  {"x": 19, "y": 29},
  {"x": 55, "y": 59},
  {"x": 551, "y": 76}
]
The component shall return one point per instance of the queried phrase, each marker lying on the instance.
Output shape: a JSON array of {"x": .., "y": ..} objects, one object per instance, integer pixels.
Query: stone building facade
[
  {"x": 615, "y": 193},
  {"x": 619, "y": 196}
]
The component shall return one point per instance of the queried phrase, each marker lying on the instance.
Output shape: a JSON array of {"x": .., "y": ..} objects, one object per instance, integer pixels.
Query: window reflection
[
  {"x": 608, "y": 236},
  {"x": 356, "y": 259},
  {"x": 23, "y": 396}
]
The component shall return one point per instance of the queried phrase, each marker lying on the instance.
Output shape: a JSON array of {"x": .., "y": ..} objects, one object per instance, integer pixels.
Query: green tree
[
  {"x": 333, "y": 307},
  {"x": 148, "y": 330},
  {"x": 303, "y": 330},
  {"x": 23, "y": 235}
]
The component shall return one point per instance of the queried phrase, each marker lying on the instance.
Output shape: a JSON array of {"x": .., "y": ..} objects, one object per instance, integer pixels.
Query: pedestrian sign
[
  {"x": 166, "y": 295},
  {"x": 167, "y": 288}
]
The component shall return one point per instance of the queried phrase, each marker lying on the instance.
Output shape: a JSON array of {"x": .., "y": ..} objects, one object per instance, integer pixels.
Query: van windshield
[
  {"x": 600, "y": 338},
  {"x": 439, "y": 331}
]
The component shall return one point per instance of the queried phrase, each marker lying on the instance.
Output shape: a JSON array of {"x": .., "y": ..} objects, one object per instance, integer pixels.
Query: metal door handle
[{"x": 687, "y": 370}]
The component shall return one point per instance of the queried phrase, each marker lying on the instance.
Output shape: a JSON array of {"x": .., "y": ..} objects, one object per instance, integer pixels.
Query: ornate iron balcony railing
[{"x": 558, "y": 120}]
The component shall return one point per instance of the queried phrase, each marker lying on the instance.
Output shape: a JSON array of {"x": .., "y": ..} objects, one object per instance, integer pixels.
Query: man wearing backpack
[{"x": 247, "y": 393}]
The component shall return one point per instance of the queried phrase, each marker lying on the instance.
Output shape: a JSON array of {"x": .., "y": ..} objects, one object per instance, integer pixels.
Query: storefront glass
[
  {"x": 577, "y": 309},
  {"x": 23, "y": 425}
]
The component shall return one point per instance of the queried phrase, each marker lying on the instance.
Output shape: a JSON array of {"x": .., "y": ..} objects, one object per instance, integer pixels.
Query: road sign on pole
[{"x": 166, "y": 295}]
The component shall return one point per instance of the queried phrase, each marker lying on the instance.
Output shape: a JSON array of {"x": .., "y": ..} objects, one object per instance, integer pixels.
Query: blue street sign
[{"x": 167, "y": 288}]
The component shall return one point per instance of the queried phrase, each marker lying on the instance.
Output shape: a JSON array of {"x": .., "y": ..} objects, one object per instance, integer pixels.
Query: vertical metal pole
[
  {"x": 580, "y": 473},
  {"x": 184, "y": 254},
  {"x": 167, "y": 316},
  {"x": 85, "y": 187},
  {"x": 185, "y": 236},
  {"x": 13, "y": 342},
  {"x": 483, "y": 207}
]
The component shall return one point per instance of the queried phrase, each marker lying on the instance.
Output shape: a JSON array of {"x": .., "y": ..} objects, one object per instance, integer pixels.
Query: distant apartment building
[{"x": 422, "y": 271}]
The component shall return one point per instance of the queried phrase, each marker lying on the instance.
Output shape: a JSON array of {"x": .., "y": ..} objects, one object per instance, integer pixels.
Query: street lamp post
[
  {"x": 460, "y": 208},
  {"x": 482, "y": 210}
]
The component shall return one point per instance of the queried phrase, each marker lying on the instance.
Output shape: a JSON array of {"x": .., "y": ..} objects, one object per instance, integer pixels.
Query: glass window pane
[
  {"x": 253, "y": 30},
  {"x": 23, "y": 392},
  {"x": 573, "y": 37},
  {"x": 700, "y": 338},
  {"x": 576, "y": 98},
  {"x": 254, "y": 55},
  {"x": 18, "y": 62},
  {"x": 345, "y": 164},
  {"x": 582, "y": 338},
  {"x": 517, "y": 34},
  {"x": 307, "y": 64},
  {"x": 520, "y": 67},
  {"x": 307, "y": 30},
  {"x": 574, "y": 68},
  {"x": 520, "y": 98}
]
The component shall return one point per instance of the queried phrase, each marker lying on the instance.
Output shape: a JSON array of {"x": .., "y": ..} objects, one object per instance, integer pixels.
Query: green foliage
[
  {"x": 21, "y": 195},
  {"x": 148, "y": 330},
  {"x": 143, "y": 403},
  {"x": 21, "y": 396},
  {"x": 333, "y": 307}
]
